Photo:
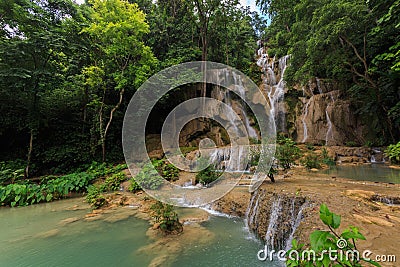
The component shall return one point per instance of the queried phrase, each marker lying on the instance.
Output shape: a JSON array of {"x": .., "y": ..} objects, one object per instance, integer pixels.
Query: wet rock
[
  {"x": 68, "y": 221},
  {"x": 47, "y": 234}
]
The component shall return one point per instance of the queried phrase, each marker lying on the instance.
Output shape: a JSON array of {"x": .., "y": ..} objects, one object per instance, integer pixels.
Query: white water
[
  {"x": 296, "y": 220},
  {"x": 329, "y": 133},
  {"x": 275, "y": 90},
  {"x": 231, "y": 159},
  {"x": 225, "y": 96},
  {"x": 276, "y": 210},
  {"x": 303, "y": 120}
]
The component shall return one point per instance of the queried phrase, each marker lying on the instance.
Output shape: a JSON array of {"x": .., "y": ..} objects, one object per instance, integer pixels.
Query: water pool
[
  {"x": 373, "y": 173},
  {"x": 38, "y": 235}
]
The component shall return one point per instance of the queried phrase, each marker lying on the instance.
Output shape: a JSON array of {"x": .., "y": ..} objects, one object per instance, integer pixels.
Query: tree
[{"x": 120, "y": 59}]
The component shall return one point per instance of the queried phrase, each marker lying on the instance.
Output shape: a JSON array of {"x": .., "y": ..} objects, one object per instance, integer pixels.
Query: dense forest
[{"x": 68, "y": 71}]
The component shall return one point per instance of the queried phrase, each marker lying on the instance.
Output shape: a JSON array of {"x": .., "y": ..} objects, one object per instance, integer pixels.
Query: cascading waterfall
[
  {"x": 225, "y": 96},
  {"x": 275, "y": 90},
  {"x": 272, "y": 229},
  {"x": 296, "y": 220},
  {"x": 231, "y": 159},
  {"x": 303, "y": 120},
  {"x": 275, "y": 217},
  {"x": 328, "y": 120}
]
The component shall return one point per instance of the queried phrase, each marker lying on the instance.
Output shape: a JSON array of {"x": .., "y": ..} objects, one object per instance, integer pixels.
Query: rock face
[
  {"x": 326, "y": 118},
  {"x": 275, "y": 217}
]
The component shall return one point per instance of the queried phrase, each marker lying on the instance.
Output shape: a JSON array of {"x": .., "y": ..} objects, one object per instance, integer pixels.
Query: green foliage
[
  {"x": 207, "y": 173},
  {"x": 95, "y": 198},
  {"x": 167, "y": 170},
  {"x": 113, "y": 182},
  {"x": 393, "y": 152},
  {"x": 134, "y": 186},
  {"x": 324, "y": 241},
  {"x": 149, "y": 178},
  {"x": 11, "y": 171},
  {"x": 310, "y": 147},
  {"x": 311, "y": 161},
  {"x": 287, "y": 152},
  {"x": 352, "y": 43},
  {"x": 167, "y": 218},
  {"x": 326, "y": 159},
  {"x": 351, "y": 144}
]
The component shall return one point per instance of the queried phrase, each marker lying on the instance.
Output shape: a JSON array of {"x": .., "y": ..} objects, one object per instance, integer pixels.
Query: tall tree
[{"x": 120, "y": 59}]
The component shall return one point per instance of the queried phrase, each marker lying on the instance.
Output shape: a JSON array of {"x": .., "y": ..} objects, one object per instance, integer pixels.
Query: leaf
[
  {"x": 49, "y": 197},
  {"x": 318, "y": 240}
]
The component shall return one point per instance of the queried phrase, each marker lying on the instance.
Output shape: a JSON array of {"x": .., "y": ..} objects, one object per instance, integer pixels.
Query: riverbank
[{"x": 359, "y": 203}]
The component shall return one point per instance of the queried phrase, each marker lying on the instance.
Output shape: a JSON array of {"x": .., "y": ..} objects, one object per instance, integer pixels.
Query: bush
[
  {"x": 326, "y": 159},
  {"x": 287, "y": 152},
  {"x": 113, "y": 182},
  {"x": 167, "y": 218},
  {"x": 393, "y": 152},
  {"x": 311, "y": 161},
  {"x": 208, "y": 173},
  {"x": 134, "y": 186},
  {"x": 323, "y": 241},
  {"x": 11, "y": 171},
  {"x": 149, "y": 178},
  {"x": 167, "y": 170},
  {"x": 95, "y": 198}
]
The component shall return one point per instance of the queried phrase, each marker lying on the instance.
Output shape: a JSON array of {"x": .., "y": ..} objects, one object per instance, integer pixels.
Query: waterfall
[
  {"x": 272, "y": 229},
  {"x": 226, "y": 97},
  {"x": 275, "y": 90},
  {"x": 303, "y": 120},
  {"x": 275, "y": 217},
  {"x": 296, "y": 220},
  {"x": 329, "y": 132},
  {"x": 328, "y": 120},
  {"x": 231, "y": 159},
  {"x": 319, "y": 85}
]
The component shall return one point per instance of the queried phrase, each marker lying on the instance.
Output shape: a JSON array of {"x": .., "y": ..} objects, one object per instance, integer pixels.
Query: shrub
[
  {"x": 311, "y": 161},
  {"x": 167, "y": 218},
  {"x": 113, "y": 182},
  {"x": 11, "y": 171},
  {"x": 351, "y": 144},
  {"x": 134, "y": 186},
  {"x": 287, "y": 152},
  {"x": 207, "y": 176},
  {"x": 149, "y": 178},
  {"x": 323, "y": 241},
  {"x": 310, "y": 147},
  {"x": 95, "y": 198},
  {"x": 393, "y": 152},
  {"x": 166, "y": 169},
  {"x": 326, "y": 159}
]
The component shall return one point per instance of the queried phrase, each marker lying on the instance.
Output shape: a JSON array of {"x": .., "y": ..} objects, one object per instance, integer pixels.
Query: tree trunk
[{"x": 29, "y": 155}]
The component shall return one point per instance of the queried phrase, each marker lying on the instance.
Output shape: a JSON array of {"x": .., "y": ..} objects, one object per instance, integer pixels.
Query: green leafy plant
[
  {"x": 310, "y": 147},
  {"x": 311, "y": 161},
  {"x": 341, "y": 247},
  {"x": 326, "y": 159},
  {"x": 167, "y": 218},
  {"x": 134, "y": 186},
  {"x": 11, "y": 171},
  {"x": 393, "y": 152},
  {"x": 351, "y": 144},
  {"x": 149, "y": 178},
  {"x": 287, "y": 152},
  {"x": 95, "y": 198},
  {"x": 167, "y": 170},
  {"x": 113, "y": 182}
]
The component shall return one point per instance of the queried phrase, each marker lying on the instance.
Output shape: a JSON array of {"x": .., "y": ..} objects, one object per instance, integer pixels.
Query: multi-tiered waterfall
[
  {"x": 274, "y": 85},
  {"x": 275, "y": 217}
]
